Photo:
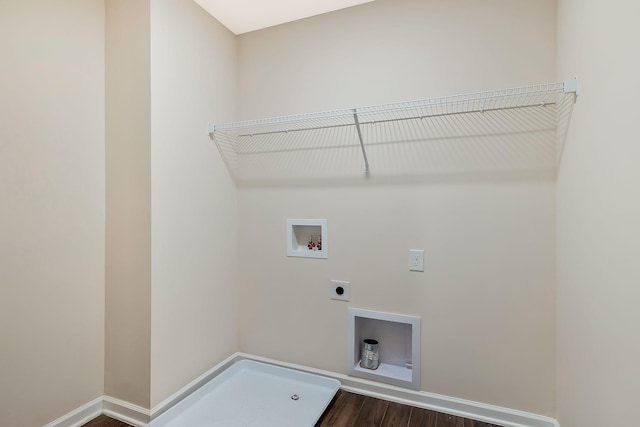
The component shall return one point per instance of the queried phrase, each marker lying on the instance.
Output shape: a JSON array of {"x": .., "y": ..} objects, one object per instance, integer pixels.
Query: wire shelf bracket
[
  {"x": 520, "y": 127},
  {"x": 364, "y": 151}
]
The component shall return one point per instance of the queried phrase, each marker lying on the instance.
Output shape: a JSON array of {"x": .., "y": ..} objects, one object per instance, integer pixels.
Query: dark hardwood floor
[
  {"x": 104, "y": 421},
  {"x": 353, "y": 410}
]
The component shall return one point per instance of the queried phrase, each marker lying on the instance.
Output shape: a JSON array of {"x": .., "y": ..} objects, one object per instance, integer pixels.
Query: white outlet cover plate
[
  {"x": 416, "y": 259},
  {"x": 340, "y": 283}
]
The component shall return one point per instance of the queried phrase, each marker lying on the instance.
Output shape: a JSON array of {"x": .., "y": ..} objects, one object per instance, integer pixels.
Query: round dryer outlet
[{"x": 340, "y": 290}]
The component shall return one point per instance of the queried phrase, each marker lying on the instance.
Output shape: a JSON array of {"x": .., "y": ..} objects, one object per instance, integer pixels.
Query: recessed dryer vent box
[
  {"x": 399, "y": 346},
  {"x": 307, "y": 238}
]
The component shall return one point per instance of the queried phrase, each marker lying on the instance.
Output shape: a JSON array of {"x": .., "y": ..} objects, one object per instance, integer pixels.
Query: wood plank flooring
[
  {"x": 104, "y": 421},
  {"x": 353, "y": 410}
]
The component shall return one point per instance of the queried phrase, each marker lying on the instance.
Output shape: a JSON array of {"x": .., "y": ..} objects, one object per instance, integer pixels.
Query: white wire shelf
[{"x": 516, "y": 128}]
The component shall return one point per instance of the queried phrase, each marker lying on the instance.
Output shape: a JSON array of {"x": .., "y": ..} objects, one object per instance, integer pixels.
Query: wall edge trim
[
  {"x": 79, "y": 416},
  {"x": 126, "y": 412},
  {"x": 451, "y": 405},
  {"x": 192, "y": 386},
  {"x": 140, "y": 417}
]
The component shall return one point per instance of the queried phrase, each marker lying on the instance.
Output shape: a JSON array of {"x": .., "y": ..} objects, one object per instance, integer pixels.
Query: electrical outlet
[
  {"x": 416, "y": 259},
  {"x": 340, "y": 290}
]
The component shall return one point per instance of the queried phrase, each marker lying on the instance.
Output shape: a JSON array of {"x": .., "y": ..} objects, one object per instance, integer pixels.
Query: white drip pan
[{"x": 252, "y": 394}]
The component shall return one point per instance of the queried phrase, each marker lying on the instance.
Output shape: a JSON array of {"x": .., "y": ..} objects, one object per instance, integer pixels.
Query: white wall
[
  {"x": 598, "y": 210},
  {"x": 487, "y": 297},
  {"x": 52, "y": 208},
  {"x": 128, "y": 184},
  {"x": 194, "y": 205},
  {"x": 390, "y": 51}
]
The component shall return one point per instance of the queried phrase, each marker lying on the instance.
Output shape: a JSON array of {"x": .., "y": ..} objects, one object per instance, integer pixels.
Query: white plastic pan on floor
[{"x": 252, "y": 394}]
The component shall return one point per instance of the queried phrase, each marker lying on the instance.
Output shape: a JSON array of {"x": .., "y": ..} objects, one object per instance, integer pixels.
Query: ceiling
[{"x": 242, "y": 16}]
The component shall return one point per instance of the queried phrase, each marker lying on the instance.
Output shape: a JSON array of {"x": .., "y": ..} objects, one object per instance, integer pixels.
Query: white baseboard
[
  {"x": 185, "y": 391},
  {"x": 465, "y": 408},
  {"x": 126, "y": 412},
  {"x": 79, "y": 416},
  {"x": 114, "y": 408},
  {"x": 141, "y": 417}
]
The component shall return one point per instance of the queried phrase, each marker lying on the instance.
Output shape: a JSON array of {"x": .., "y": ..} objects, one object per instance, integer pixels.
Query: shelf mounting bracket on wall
[{"x": 364, "y": 151}]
